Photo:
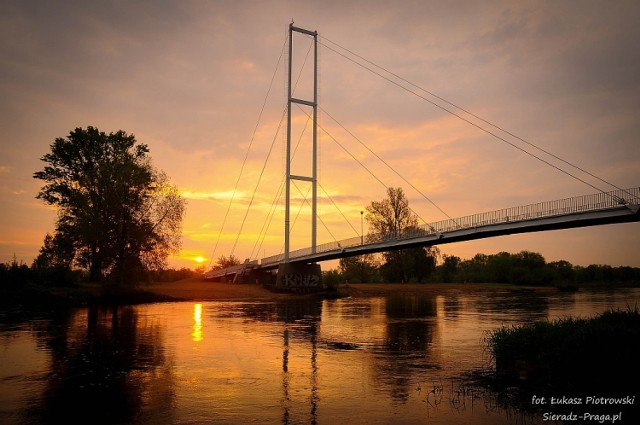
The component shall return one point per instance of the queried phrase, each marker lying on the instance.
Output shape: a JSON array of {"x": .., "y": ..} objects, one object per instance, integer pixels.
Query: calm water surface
[{"x": 385, "y": 360}]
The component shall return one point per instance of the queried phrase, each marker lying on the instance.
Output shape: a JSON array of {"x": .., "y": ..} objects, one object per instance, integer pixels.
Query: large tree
[
  {"x": 119, "y": 212},
  {"x": 389, "y": 217},
  {"x": 392, "y": 218}
]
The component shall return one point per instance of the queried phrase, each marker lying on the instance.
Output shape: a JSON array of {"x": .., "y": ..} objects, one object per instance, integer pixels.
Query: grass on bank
[
  {"x": 600, "y": 353},
  {"x": 35, "y": 296}
]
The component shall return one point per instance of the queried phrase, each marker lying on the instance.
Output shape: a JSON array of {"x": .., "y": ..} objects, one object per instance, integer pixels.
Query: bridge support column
[
  {"x": 299, "y": 277},
  {"x": 314, "y": 165}
]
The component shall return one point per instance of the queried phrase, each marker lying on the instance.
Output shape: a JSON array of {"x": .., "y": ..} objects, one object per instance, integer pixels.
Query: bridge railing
[{"x": 577, "y": 204}]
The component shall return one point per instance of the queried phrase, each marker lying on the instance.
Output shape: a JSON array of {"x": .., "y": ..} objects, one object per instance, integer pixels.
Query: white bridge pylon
[{"x": 313, "y": 103}]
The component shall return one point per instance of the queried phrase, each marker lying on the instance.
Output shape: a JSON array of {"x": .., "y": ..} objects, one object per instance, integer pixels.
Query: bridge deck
[{"x": 588, "y": 210}]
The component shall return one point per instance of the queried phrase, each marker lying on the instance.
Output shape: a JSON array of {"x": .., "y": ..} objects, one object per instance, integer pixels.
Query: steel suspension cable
[
  {"x": 279, "y": 194},
  {"x": 272, "y": 211},
  {"x": 244, "y": 161},
  {"x": 305, "y": 201},
  {"x": 269, "y": 153},
  {"x": 255, "y": 190},
  {"x": 386, "y": 163},
  {"x": 468, "y": 121},
  {"x": 276, "y": 198},
  {"x": 475, "y": 116},
  {"x": 339, "y": 210},
  {"x": 359, "y": 162}
]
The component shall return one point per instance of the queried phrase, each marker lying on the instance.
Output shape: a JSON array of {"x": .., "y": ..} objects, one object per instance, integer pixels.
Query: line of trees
[
  {"x": 523, "y": 268},
  {"x": 15, "y": 275},
  {"x": 392, "y": 216},
  {"x": 530, "y": 268}
]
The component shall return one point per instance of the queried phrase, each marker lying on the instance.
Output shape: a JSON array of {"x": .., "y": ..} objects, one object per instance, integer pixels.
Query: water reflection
[
  {"x": 303, "y": 318},
  {"x": 410, "y": 329},
  {"x": 451, "y": 306},
  {"x": 197, "y": 323},
  {"x": 106, "y": 367},
  {"x": 374, "y": 360},
  {"x": 525, "y": 304},
  {"x": 298, "y": 322}
]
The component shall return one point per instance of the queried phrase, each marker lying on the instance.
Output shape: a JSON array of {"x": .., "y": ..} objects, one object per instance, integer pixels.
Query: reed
[{"x": 602, "y": 352}]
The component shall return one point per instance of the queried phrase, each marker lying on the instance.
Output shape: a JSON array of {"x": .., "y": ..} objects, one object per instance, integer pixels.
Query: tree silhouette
[
  {"x": 391, "y": 215},
  {"x": 120, "y": 213},
  {"x": 392, "y": 218}
]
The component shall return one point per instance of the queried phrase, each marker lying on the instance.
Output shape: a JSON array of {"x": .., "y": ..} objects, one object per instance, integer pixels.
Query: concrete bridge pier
[{"x": 299, "y": 277}]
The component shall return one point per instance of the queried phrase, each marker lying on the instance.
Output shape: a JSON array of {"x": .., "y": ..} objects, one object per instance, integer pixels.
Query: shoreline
[
  {"x": 37, "y": 298},
  {"x": 197, "y": 289}
]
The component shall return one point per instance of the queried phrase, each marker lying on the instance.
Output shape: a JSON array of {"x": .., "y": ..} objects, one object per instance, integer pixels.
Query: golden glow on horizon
[
  {"x": 199, "y": 260},
  {"x": 213, "y": 196}
]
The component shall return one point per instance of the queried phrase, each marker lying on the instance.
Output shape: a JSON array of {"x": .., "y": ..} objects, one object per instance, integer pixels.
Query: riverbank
[
  {"x": 201, "y": 290},
  {"x": 409, "y": 289},
  {"x": 43, "y": 298},
  {"x": 198, "y": 289}
]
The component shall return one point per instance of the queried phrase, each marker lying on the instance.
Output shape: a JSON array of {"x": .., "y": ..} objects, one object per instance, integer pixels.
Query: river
[{"x": 381, "y": 360}]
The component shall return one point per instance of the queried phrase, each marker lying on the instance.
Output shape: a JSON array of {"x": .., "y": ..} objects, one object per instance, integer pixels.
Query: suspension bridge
[{"x": 298, "y": 269}]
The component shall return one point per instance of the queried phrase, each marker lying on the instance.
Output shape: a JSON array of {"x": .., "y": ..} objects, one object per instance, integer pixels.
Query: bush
[
  {"x": 57, "y": 276},
  {"x": 14, "y": 274},
  {"x": 331, "y": 279},
  {"x": 571, "y": 354}
]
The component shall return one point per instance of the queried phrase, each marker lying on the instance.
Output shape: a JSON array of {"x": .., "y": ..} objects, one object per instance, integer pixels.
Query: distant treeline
[
  {"x": 16, "y": 274},
  {"x": 524, "y": 268},
  {"x": 530, "y": 268}
]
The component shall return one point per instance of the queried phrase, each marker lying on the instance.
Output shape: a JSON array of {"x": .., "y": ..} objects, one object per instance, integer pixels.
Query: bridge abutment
[{"x": 258, "y": 277}]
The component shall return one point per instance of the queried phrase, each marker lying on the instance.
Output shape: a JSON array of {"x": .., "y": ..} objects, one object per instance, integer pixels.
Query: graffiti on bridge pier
[{"x": 304, "y": 280}]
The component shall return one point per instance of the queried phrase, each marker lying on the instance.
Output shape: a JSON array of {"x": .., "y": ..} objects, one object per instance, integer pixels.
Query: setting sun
[{"x": 199, "y": 260}]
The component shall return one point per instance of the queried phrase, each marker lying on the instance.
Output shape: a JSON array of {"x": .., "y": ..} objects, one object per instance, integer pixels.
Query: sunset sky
[{"x": 189, "y": 79}]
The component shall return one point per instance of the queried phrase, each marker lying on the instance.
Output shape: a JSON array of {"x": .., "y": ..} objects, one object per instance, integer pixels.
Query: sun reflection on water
[{"x": 197, "y": 323}]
